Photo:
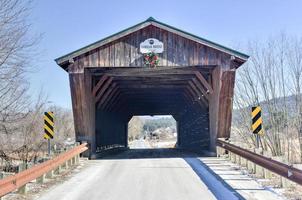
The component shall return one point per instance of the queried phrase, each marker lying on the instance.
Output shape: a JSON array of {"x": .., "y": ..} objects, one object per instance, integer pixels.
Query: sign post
[
  {"x": 257, "y": 123},
  {"x": 48, "y": 128}
]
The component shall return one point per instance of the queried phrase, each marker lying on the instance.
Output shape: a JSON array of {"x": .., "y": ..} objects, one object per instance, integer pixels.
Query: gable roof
[{"x": 63, "y": 60}]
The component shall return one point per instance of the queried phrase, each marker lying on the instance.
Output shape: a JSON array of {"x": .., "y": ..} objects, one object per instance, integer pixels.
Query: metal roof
[{"x": 150, "y": 21}]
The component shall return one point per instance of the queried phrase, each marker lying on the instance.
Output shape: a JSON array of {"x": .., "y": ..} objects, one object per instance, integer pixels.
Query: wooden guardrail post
[
  {"x": 77, "y": 159},
  {"x": 50, "y": 174},
  {"x": 41, "y": 179},
  {"x": 22, "y": 189},
  {"x": 238, "y": 160},
  {"x": 243, "y": 162},
  {"x": 220, "y": 151},
  {"x": 233, "y": 157},
  {"x": 285, "y": 183},
  {"x": 74, "y": 160},
  {"x": 58, "y": 170},
  {"x": 70, "y": 162},
  {"x": 66, "y": 165},
  {"x": 267, "y": 173},
  {"x": 259, "y": 170},
  {"x": 251, "y": 167}
]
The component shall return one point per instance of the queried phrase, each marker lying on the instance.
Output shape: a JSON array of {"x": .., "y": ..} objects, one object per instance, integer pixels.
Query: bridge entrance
[{"x": 111, "y": 82}]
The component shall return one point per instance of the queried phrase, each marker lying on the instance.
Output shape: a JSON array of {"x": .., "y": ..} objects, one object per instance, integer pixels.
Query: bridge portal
[{"x": 111, "y": 81}]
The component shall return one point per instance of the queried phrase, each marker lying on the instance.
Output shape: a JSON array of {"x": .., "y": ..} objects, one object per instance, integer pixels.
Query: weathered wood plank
[
  {"x": 113, "y": 101},
  {"x": 103, "y": 89},
  {"x": 199, "y": 97},
  {"x": 109, "y": 99},
  {"x": 112, "y": 55},
  {"x": 106, "y": 94},
  {"x": 170, "y": 49},
  {"x": 199, "y": 87},
  {"x": 226, "y": 103},
  {"x": 99, "y": 84},
  {"x": 204, "y": 82}
]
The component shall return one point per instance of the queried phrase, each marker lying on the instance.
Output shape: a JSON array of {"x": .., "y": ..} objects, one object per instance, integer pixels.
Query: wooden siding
[
  {"x": 83, "y": 108},
  {"x": 178, "y": 51}
]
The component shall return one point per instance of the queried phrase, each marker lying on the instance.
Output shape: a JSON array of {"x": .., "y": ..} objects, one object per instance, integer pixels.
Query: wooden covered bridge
[{"x": 193, "y": 81}]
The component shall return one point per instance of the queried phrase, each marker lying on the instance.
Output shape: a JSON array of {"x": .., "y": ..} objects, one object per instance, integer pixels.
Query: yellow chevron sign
[
  {"x": 48, "y": 125},
  {"x": 256, "y": 120}
]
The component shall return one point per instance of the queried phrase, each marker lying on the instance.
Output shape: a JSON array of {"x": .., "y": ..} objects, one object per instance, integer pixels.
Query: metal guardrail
[
  {"x": 11, "y": 183},
  {"x": 279, "y": 168}
]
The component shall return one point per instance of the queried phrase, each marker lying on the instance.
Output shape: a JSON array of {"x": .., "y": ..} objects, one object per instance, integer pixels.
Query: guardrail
[
  {"x": 11, "y": 183},
  {"x": 279, "y": 168}
]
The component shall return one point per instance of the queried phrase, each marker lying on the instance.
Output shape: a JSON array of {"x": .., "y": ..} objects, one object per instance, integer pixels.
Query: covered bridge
[{"x": 112, "y": 80}]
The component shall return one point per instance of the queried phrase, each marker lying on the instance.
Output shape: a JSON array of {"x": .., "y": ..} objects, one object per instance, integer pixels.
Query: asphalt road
[
  {"x": 137, "y": 174},
  {"x": 137, "y": 144}
]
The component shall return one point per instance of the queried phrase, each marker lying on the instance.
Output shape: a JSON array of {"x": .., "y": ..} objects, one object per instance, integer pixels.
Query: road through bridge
[{"x": 164, "y": 174}]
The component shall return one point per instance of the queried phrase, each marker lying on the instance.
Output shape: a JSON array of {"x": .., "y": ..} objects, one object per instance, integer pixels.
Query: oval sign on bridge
[{"x": 151, "y": 45}]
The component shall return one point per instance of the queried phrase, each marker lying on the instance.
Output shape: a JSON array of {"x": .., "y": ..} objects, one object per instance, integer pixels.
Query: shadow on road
[{"x": 149, "y": 153}]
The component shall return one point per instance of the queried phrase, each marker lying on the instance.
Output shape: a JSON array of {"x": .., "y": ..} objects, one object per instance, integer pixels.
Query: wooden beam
[
  {"x": 152, "y": 96},
  {"x": 106, "y": 94},
  {"x": 147, "y": 69},
  {"x": 110, "y": 98},
  {"x": 142, "y": 71},
  {"x": 151, "y": 86},
  {"x": 155, "y": 101},
  {"x": 201, "y": 89},
  {"x": 200, "y": 95},
  {"x": 152, "y": 113},
  {"x": 153, "y": 78},
  {"x": 114, "y": 101},
  {"x": 103, "y": 89},
  {"x": 99, "y": 84},
  {"x": 187, "y": 97},
  {"x": 191, "y": 93},
  {"x": 151, "y": 82},
  {"x": 194, "y": 96},
  {"x": 147, "y": 74},
  {"x": 159, "y": 91},
  {"x": 204, "y": 82},
  {"x": 150, "y": 107}
]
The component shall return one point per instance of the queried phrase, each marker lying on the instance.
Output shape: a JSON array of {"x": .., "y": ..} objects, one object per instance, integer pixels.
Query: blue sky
[{"x": 68, "y": 25}]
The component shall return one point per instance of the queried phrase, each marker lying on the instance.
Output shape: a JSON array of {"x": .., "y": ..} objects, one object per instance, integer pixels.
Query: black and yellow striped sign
[
  {"x": 48, "y": 125},
  {"x": 256, "y": 120}
]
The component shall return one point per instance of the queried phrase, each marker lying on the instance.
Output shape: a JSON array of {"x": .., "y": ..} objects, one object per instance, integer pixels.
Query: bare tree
[
  {"x": 15, "y": 53},
  {"x": 23, "y": 139},
  {"x": 17, "y": 47},
  {"x": 264, "y": 80},
  {"x": 294, "y": 55},
  {"x": 135, "y": 128}
]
